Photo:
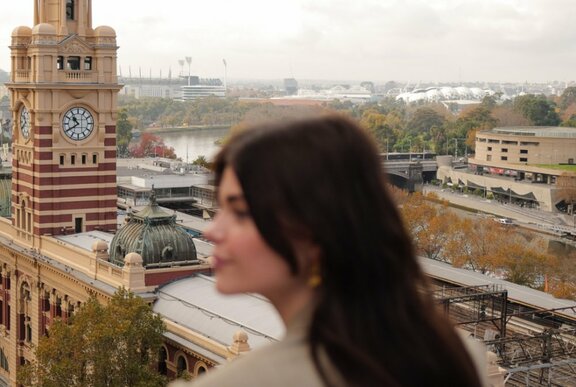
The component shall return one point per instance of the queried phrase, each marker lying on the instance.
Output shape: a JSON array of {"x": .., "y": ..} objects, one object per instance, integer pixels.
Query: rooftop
[
  {"x": 535, "y": 131},
  {"x": 195, "y": 303}
]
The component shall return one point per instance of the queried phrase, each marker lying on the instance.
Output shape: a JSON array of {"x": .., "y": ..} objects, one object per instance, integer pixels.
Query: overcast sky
[{"x": 377, "y": 40}]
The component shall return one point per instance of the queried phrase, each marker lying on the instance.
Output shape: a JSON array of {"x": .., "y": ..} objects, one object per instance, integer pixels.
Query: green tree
[
  {"x": 424, "y": 119},
  {"x": 568, "y": 97},
  {"x": 123, "y": 132},
  {"x": 201, "y": 161},
  {"x": 538, "y": 109},
  {"x": 104, "y": 345},
  {"x": 377, "y": 126}
]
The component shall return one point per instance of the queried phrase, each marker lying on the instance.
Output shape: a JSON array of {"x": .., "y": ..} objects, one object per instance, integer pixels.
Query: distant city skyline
[{"x": 374, "y": 40}]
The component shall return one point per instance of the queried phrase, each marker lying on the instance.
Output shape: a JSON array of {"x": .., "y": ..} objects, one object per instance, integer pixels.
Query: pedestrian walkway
[{"x": 527, "y": 217}]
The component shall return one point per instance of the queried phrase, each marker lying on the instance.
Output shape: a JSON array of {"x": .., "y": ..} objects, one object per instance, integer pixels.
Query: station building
[{"x": 60, "y": 240}]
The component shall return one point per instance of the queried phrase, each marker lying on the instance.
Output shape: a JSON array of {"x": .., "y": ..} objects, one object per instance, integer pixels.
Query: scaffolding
[{"x": 537, "y": 347}]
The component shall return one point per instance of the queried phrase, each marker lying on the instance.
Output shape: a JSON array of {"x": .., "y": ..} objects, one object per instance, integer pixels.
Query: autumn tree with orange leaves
[{"x": 477, "y": 244}]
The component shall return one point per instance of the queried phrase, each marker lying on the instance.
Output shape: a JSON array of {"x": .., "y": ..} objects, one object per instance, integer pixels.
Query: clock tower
[{"x": 63, "y": 90}]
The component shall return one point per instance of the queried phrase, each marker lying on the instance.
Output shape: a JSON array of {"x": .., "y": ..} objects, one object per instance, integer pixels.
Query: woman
[{"x": 306, "y": 220}]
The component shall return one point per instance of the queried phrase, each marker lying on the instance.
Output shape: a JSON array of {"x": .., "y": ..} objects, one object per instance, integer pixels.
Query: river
[{"x": 191, "y": 143}]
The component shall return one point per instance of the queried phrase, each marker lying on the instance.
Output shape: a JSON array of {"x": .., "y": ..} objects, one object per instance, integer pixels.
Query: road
[{"x": 526, "y": 217}]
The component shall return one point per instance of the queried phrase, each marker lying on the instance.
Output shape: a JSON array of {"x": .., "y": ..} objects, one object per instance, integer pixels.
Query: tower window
[
  {"x": 60, "y": 63},
  {"x": 88, "y": 63},
  {"x": 83, "y": 159},
  {"x": 70, "y": 9},
  {"x": 62, "y": 159},
  {"x": 95, "y": 158},
  {"x": 78, "y": 225},
  {"x": 73, "y": 63},
  {"x": 73, "y": 159}
]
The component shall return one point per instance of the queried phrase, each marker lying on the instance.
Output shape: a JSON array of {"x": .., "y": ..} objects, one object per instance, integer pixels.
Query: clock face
[
  {"x": 25, "y": 122},
  {"x": 78, "y": 123}
]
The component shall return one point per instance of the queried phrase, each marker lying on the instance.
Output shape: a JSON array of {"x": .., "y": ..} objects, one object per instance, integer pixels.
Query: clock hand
[{"x": 76, "y": 123}]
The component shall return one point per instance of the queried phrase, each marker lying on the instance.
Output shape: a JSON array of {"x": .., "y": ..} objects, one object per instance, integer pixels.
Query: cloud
[{"x": 363, "y": 39}]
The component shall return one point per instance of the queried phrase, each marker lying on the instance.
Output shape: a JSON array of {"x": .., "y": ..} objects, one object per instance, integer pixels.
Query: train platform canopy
[
  {"x": 194, "y": 303},
  {"x": 517, "y": 293}
]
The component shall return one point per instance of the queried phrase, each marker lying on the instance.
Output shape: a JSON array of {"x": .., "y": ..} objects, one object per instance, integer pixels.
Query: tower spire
[{"x": 67, "y": 16}]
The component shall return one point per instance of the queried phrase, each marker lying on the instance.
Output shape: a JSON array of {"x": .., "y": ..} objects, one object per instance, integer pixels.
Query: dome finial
[{"x": 152, "y": 198}]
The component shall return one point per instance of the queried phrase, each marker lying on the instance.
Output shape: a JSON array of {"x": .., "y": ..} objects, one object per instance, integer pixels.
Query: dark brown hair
[{"x": 322, "y": 178}]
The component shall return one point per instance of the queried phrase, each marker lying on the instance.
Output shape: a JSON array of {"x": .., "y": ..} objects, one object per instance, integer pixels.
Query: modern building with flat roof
[
  {"x": 527, "y": 145},
  {"x": 528, "y": 165}
]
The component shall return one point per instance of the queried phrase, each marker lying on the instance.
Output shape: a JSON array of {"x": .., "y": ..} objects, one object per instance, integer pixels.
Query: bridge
[{"x": 409, "y": 170}]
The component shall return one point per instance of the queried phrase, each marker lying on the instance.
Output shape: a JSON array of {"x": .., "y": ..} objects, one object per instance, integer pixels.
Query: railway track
[{"x": 535, "y": 351}]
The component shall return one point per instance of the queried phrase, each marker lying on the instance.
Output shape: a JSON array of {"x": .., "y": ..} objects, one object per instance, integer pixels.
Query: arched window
[
  {"x": 199, "y": 368},
  {"x": 181, "y": 365},
  {"x": 162, "y": 357},
  {"x": 168, "y": 253},
  {"x": 24, "y": 320},
  {"x": 4, "y": 360},
  {"x": 70, "y": 9}
]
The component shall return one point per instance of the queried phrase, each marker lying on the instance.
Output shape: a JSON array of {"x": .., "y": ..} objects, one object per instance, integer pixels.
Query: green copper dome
[{"x": 154, "y": 235}]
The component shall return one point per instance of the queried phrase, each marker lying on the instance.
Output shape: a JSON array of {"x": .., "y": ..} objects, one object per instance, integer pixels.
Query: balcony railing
[{"x": 62, "y": 76}]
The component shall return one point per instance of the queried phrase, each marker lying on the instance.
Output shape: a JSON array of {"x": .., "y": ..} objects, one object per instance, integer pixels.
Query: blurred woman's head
[
  {"x": 319, "y": 181},
  {"x": 305, "y": 211}
]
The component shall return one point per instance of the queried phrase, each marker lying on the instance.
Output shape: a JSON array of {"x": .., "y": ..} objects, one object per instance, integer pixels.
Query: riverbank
[
  {"x": 185, "y": 129},
  {"x": 537, "y": 221}
]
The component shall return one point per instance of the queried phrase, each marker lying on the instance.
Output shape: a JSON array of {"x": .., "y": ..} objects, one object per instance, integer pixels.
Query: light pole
[
  {"x": 386, "y": 149},
  {"x": 456, "y": 149},
  {"x": 225, "y": 76},
  {"x": 410, "y": 150},
  {"x": 189, "y": 61}
]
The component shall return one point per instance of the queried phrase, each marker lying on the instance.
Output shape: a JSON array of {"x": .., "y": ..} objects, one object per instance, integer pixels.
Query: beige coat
[{"x": 286, "y": 363}]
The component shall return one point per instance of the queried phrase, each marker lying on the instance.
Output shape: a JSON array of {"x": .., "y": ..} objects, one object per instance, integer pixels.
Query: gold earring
[{"x": 315, "y": 278}]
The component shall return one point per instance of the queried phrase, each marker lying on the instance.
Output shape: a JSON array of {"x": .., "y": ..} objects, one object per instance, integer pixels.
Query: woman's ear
[{"x": 309, "y": 261}]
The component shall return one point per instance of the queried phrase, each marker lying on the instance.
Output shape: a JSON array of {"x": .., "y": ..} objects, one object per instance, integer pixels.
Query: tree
[
  {"x": 104, "y": 345},
  {"x": 428, "y": 223},
  {"x": 201, "y": 161},
  {"x": 377, "y": 125},
  {"x": 152, "y": 146},
  {"x": 568, "y": 97},
  {"x": 524, "y": 264},
  {"x": 475, "y": 244},
  {"x": 507, "y": 116},
  {"x": 538, "y": 109},
  {"x": 567, "y": 191},
  {"x": 423, "y": 120},
  {"x": 562, "y": 280},
  {"x": 123, "y": 132}
]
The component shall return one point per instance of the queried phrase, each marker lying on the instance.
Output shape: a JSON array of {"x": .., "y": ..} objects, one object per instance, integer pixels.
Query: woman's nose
[{"x": 213, "y": 231}]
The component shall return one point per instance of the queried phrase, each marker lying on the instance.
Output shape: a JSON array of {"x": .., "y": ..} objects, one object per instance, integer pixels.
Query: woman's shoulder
[{"x": 285, "y": 363}]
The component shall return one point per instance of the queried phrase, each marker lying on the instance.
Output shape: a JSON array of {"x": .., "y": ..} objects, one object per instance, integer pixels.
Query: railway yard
[{"x": 532, "y": 333}]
